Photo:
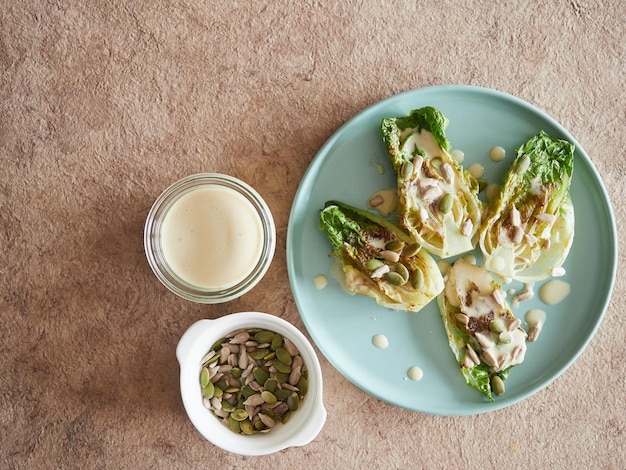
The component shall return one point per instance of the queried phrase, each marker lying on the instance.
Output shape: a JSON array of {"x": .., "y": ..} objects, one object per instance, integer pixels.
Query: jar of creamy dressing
[{"x": 209, "y": 238}]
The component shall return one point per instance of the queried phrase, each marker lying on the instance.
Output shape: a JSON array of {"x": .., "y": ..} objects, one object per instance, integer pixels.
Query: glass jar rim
[{"x": 154, "y": 251}]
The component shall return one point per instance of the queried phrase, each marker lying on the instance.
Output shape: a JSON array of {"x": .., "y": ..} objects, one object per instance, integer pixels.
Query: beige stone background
[{"x": 104, "y": 103}]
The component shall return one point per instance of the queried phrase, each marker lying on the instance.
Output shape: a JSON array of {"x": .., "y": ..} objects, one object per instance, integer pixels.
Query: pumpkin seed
[
  {"x": 233, "y": 424},
  {"x": 269, "y": 397},
  {"x": 282, "y": 367},
  {"x": 417, "y": 279},
  {"x": 445, "y": 203},
  {"x": 281, "y": 377},
  {"x": 264, "y": 336},
  {"x": 282, "y": 394},
  {"x": 303, "y": 385},
  {"x": 247, "y": 391},
  {"x": 270, "y": 385},
  {"x": 497, "y": 385},
  {"x": 283, "y": 356},
  {"x": 277, "y": 341},
  {"x": 406, "y": 170},
  {"x": 402, "y": 271},
  {"x": 259, "y": 353},
  {"x": 497, "y": 326},
  {"x": 411, "y": 250},
  {"x": 260, "y": 375},
  {"x": 247, "y": 427},
  {"x": 208, "y": 391},
  {"x": 394, "y": 245},
  {"x": 239, "y": 414},
  {"x": 373, "y": 264},
  {"x": 293, "y": 401},
  {"x": 394, "y": 278},
  {"x": 204, "y": 377},
  {"x": 219, "y": 343}
]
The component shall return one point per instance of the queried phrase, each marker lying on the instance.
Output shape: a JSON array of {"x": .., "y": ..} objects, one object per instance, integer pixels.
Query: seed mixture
[{"x": 253, "y": 379}]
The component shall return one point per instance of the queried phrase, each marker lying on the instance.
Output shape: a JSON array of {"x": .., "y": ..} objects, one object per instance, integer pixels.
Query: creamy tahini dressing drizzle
[
  {"x": 476, "y": 170},
  {"x": 380, "y": 341},
  {"x": 554, "y": 291},
  {"x": 497, "y": 153},
  {"x": 384, "y": 201},
  {"x": 458, "y": 155},
  {"x": 212, "y": 237},
  {"x": 415, "y": 373},
  {"x": 423, "y": 140},
  {"x": 320, "y": 281}
]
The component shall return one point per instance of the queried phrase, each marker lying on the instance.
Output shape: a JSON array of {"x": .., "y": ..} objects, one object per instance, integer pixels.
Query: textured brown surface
[{"x": 103, "y": 106}]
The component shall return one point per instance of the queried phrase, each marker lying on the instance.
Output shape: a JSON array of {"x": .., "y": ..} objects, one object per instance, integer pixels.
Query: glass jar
[{"x": 209, "y": 238}]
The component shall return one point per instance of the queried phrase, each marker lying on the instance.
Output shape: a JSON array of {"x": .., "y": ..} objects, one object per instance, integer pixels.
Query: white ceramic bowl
[{"x": 304, "y": 424}]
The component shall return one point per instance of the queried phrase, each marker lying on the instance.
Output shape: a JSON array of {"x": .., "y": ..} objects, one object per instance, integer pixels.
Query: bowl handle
[
  {"x": 190, "y": 338},
  {"x": 313, "y": 426}
]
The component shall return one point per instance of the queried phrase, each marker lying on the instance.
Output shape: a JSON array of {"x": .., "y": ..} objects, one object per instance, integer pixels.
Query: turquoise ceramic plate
[{"x": 351, "y": 166}]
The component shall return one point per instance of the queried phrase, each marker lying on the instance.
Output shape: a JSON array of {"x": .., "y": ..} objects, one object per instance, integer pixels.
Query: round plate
[{"x": 351, "y": 166}]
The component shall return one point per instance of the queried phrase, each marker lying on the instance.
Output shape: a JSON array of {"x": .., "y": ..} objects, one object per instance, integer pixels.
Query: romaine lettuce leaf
[
  {"x": 529, "y": 226},
  {"x": 485, "y": 337},
  {"x": 438, "y": 201},
  {"x": 379, "y": 259}
]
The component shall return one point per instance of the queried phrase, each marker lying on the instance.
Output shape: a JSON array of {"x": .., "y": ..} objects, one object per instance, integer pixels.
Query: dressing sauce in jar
[{"x": 212, "y": 237}]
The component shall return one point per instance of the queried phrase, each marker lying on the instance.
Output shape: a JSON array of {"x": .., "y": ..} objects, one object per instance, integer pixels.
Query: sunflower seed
[
  {"x": 545, "y": 218},
  {"x": 380, "y": 271},
  {"x": 517, "y": 234},
  {"x": 418, "y": 161},
  {"x": 514, "y": 325},
  {"x": 472, "y": 354},
  {"x": 295, "y": 375},
  {"x": 533, "y": 333},
  {"x": 376, "y": 201},
  {"x": 432, "y": 194},
  {"x": 557, "y": 272},
  {"x": 447, "y": 172},
  {"x": 267, "y": 420},
  {"x": 254, "y": 400},
  {"x": 467, "y": 227},
  {"x": 490, "y": 359},
  {"x": 390, "y": 255},
  {"x": 515, "y": 217}
]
